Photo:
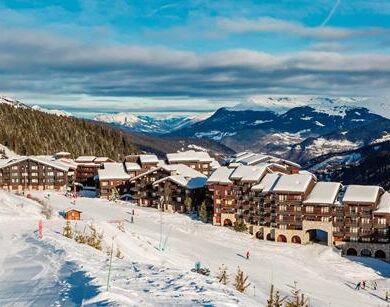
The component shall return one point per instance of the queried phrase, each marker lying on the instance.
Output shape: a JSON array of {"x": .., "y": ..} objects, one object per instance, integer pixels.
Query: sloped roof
[
  {"x": 324, "y": 193},
  {"x": 384, "y": 204},
  {"x": 361, "y": 193},
  {"x": 221, "y": 175},
  {"x": 113, "y": 171},
  {"x": 189, "y": 183},
  {"x": 132, "y": 166},
  {"x": 148, "y": 159},
  {"x": 268, "y": 182},
  {"x": 85, "y": 159},
  {"x": 189, "y": 155},
  {"x": 295, "y": 183},
  {"x": 41, "y": 160},
  {"x": 249, "y": 173}
]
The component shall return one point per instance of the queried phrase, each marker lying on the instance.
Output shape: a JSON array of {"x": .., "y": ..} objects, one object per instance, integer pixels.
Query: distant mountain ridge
[
  {"x": 302, "y": 132},
  {"x": 154, "y": 125}
]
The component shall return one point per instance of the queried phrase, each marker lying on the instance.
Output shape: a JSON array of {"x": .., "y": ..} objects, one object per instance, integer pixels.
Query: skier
[
  {"x": 374, "y": 285},
  {"x": 364, "y": 284},
  {"x": 387, "y": 296},
  {"x": 247, "y": 255},
  {"x": 358, "y": 286}
]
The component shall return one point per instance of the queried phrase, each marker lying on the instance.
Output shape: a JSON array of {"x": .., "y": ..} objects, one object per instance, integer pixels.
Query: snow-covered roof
[
  {"x": 214, "y": 164},
  {"x": 221, "y": 175},
  {"x": 248, "y": 173},
  {"x": 148, "y": 159},
  {"x": 384, "y": 204},
  {"x": 189, "y": 183},
  {"x": 132, "y": 166},
  {"x": 361, "y": 194},
  {"x": 42, "y": 160},
  {"x": 250, "y": 158},
  {"x": 113, "y": 171},
  {"x": 267, "y": 183},
  {"x": 101, "y": 159},
  {"x": 85, "y": 159},
  {"x": 63, "y": 153},
  {"x": 189, "y": 155},
  {"x": 324, "y": 193},
  {"x": 72, "y": 209},
  {"x": 295, "y": 183}
]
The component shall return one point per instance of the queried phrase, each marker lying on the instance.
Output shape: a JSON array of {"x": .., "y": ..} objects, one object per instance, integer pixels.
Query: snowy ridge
[
  {"x": 329, "y": 105},
  {"x": 52, "y": 111},
  {"x": 154, "y": 124}
]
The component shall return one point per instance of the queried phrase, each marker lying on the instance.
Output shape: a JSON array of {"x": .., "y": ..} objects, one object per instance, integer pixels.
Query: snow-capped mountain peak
[{"x": 336, "y": 106}]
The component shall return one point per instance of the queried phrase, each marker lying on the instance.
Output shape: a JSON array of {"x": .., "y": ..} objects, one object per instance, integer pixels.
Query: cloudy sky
[{"x": 190, "y": 55}]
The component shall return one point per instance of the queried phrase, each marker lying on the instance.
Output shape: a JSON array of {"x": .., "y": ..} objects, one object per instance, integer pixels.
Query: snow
[
  {"x": 8, "y": 153},
  {"x": 216, "y": 135},
  {"x": 384, "y": 204},
  {"x": 283, "y": 138},
  {"x": 319, "y": 124},
  {"x": 324, "y": 193},
  {"x": 322, "y": 146},
  {"x": 221, "y": 175},
  {"x": 188, "y": 182},
  {"x": 56, "y": 271},
  {"x": 40, "y": 159},
  {"x": 85, "y": 159},
  {"x": 248, "y": 173},
  {"x": 148, "y": 159},
  {"x": 189, "y": 155},
  {"x": 113, "y": 171},
  {"x": 52, "y": 111},
  {"x": 385, "y": 137},
  {"x": 361, "y": 194},
  {"x": 132, "y": 166},
  {"x": 335, "y": 106},
  {"x": 197, "y": 147},
  {"x": 267, "y": 183},
  {"x": 297, "y": 183}
]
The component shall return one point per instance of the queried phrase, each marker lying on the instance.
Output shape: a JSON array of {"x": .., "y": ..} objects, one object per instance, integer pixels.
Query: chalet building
[
  {"x": 274, "y": 163},
  {"x": 87, "y": 169},
  {"x": 197, "y": 160},
  {"x": 175, "y": 189},
  {"x": 293, "y": 207},
  {"x": 33, "y": 173},
  {"x": 113, "y": 180},
  {"x": 145, "y": 162},
  {"x": 178, "y": 179}
]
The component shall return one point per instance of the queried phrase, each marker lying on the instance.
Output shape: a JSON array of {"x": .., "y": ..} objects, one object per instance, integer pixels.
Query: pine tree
[
  {"x": 203, "y": 213},
  {"x": 241, "y": 281},
  {"x": 240, "y": 226},
  {"x": 68, "y": 232},
  {"x": 223, "y": 276},
  {"x": 274, "y": 299},
  {"x": 298, "y": 299},
  {"x": 188, "y": 203}
]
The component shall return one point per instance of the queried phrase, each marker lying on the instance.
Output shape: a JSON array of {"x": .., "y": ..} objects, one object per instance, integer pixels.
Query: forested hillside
[{"x": 30, "y": 132}]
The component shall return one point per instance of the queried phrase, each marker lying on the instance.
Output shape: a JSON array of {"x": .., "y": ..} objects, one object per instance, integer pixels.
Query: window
[
  {"x": 178, "y": 199},
  {"x": 381, "y": 221},
  {"x": 50, "y": 173},
  {"x": 104, "y": 183},
  {"x": 14, "y": 167},
  {"x": 324, "y": 209},
  {"x": 282, "y": 226},
  {"x": 34, "y": 167},
  {"x": 282, "y": 208},
  {"x": 365, "y": 220},
  {"x": 309, "y": 209},
  {"x": 353, "y": 239},
  {"x": 354, "y": 229},
  {"x": 205, "y": 166},
  {"x": 366, "y": 239},
  {"x": 325, "y": 219},
  {"x": 282, "y": 197},
  {"x": 217, "y": 201},
  {"x": 297, "y": 208}
]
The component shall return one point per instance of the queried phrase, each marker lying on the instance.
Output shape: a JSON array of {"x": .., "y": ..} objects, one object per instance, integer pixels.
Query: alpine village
[{"x": 268, "y": 197}]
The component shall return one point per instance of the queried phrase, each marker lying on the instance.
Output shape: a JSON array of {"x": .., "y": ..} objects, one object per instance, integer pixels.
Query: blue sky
[{"x": 190, "y": 55}]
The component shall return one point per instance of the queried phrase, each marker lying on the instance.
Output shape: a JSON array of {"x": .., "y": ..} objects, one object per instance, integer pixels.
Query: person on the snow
[
  {"x": 247, "y": 255},
  {"x": 387, "y": 296},
  {"x": 358, "y": 286},
  {"x": 364, "y": 284}
]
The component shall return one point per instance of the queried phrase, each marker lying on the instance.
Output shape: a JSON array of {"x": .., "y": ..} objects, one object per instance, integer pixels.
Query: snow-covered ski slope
[{"x": 60, "y": 272}]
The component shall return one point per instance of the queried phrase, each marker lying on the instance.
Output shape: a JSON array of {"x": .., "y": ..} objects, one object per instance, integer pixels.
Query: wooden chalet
[
  {"x": 113, "y": 180},
  {"x": 197, "y": 160},
  {"x": 33, "y": 173},
  {"x": 87, "y": 169},
  {"x": 72, "y": 214}
]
